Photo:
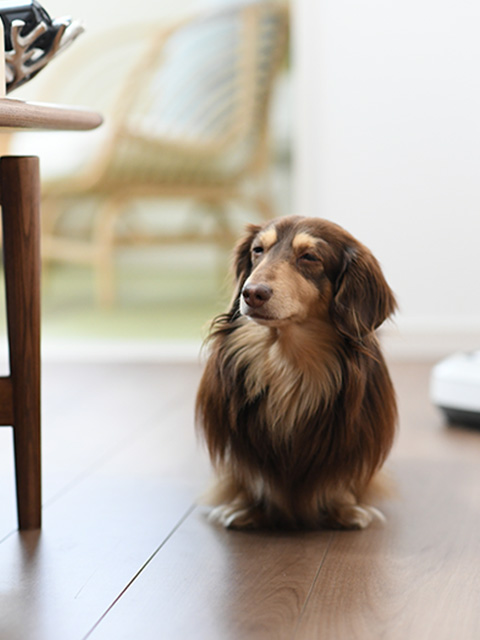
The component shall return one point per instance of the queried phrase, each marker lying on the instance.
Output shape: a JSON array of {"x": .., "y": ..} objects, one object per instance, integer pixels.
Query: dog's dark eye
[
  {"x": 257, "y": 251},
  {"x": 309, "y": 257}
]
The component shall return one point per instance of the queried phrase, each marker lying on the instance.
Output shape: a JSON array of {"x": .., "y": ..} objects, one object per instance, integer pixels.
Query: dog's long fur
[{"x": 296, "y": 404}]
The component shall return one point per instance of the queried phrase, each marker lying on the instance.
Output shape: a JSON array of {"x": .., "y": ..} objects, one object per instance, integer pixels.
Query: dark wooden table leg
[{"x": 20, "y": 198}]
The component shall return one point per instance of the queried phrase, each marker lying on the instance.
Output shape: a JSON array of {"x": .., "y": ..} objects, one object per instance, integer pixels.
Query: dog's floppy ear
[
  {"x": 242, "y": 265},
  {"x": 242, "y": 262},
  {"x": 362, "y": 298}
]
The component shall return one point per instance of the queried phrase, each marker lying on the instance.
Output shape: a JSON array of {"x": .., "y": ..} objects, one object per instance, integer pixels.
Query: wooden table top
[{"x": 18, "y": 115}]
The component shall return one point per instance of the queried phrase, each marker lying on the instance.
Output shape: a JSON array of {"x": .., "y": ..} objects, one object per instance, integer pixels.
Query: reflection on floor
[{"x": 126, "y": 553}]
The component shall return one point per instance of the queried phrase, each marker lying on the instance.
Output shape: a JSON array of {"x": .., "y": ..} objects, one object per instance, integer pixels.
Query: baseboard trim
[
  {"x": 422, "y": 344},
  {"x": 79, "y": 350},
  {"x": 413, "y": 345}
]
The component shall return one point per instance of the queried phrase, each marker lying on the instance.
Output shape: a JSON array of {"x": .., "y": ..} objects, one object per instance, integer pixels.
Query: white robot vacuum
[{"x": 455, "y": 388}]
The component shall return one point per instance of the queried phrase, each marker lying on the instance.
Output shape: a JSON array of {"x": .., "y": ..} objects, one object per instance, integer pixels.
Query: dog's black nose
[{"x": 256, "y": 295}]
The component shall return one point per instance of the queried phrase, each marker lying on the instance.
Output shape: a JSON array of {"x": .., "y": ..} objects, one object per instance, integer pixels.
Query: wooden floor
[{"x": 126, "y": 554}]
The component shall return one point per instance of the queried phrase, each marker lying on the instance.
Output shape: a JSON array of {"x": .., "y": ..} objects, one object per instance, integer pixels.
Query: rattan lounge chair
[{"x": 188, "y": 118}]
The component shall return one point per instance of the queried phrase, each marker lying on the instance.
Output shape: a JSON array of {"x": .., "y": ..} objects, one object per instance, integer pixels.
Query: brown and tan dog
[{"x": 296, "y": 404}]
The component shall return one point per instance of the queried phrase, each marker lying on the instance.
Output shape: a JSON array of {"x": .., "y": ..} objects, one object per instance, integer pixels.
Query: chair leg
[
  {"x": 20, "y": 198},
  {"x": 104, "y": 240}
]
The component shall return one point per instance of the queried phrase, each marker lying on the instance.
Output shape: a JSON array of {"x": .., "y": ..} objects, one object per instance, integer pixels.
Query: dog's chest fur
[{"x": 293, "y": 372}]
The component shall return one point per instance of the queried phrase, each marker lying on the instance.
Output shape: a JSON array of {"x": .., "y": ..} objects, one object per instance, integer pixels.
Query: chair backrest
[
  {"x": 189, "y": 102},
  {"x": 210, "y": 79},
  {"x": 201, "y": 94}
]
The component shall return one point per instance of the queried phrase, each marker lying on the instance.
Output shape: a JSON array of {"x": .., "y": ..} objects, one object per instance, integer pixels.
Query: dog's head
[{"x": 294, "y": 269}]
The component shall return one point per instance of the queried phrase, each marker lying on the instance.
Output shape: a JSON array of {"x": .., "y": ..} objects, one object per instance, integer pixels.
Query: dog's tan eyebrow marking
[
  {"x": 268, "y": 238},
  {"x": 304, "y": 240}
]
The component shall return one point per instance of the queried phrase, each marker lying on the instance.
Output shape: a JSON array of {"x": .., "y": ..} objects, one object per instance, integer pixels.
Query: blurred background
[
  {"x": 223, "y": 112},
  {"x": 140, "y": 216}
]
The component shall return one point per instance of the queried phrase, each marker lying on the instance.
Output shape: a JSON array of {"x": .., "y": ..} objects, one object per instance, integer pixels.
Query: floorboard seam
[
  {"x": 106, "y": 457},
  {"x": 142, "y": 568},
  {"x": 312, "y": 586},
  {"x": 8, "y": 535}
]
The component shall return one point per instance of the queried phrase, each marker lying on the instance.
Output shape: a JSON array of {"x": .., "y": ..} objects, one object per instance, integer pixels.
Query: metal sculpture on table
[{"x": 32, "y": 38}]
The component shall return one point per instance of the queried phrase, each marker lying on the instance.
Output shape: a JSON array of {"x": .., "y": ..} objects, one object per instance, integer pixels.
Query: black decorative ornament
[{"x": 32, "y": 39}]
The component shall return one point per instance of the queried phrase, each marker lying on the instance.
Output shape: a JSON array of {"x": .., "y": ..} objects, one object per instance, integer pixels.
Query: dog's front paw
[
  {"x": 234, "y": 516},
  {"x": 356, "y": 516}
]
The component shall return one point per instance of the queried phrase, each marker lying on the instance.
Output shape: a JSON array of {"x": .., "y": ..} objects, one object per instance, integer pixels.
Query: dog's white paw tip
[
  {"x": 361, "y": 516},
  {"x": 233, "y": 517}
]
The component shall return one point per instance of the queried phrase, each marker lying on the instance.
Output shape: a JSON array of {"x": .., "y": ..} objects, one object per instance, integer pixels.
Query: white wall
[{"x": 388, "y": 145}]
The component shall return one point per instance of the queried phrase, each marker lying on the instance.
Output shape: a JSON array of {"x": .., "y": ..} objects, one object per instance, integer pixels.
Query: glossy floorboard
[{"x": 126, "y": 554}]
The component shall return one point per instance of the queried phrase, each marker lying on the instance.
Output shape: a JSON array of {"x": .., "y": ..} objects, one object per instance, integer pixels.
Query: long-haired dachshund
[{"x": 296, "y": 403}]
